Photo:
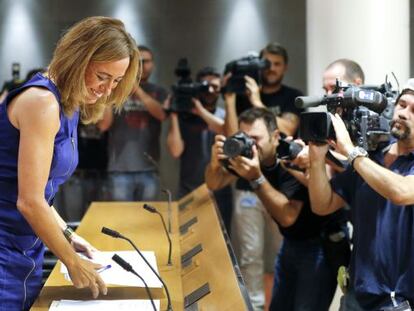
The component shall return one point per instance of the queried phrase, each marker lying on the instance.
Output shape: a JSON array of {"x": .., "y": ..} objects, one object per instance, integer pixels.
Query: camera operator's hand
[
  {"x": 302, "y": 159},
  {"x": 198, "y": 108},
  {"x": 217, "y": 153},
  {"x": 317, "y": 153},
  {"x": 225, "y": 79},
  {"x": 247, "y": 168},
  {"x": 343, "y": 143},
  {"x": 253, "y": 92}
]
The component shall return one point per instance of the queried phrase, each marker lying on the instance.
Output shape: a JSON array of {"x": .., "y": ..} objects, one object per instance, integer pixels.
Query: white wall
[{"x": 374, "y": 33}]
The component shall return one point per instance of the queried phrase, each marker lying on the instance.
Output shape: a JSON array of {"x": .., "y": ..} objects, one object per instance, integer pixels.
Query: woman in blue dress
[{"x": 95, "y": 65}]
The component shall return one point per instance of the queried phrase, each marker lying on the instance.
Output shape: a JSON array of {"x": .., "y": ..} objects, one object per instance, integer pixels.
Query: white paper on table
[
  {"x": 103, "y": 305},
  {"x": 118, "y": 276}
]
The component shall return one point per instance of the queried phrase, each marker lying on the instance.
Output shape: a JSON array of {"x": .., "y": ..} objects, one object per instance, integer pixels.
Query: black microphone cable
[
  {"x": 126, "y": 266},
  {"x": 116, "y": 234}
]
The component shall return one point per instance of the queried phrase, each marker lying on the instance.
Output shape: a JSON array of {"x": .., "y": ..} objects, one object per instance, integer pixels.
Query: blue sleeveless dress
[{"x": 21, "y": 251}]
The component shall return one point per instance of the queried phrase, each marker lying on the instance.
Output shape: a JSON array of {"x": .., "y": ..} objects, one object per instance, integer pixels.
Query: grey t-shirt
[{"x": 134, "y": 132}]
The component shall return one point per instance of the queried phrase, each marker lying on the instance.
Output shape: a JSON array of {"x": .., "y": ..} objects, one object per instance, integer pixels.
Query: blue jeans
[
  {"x": 135, "y": 186},
  {"x": 303, "y": 279},
  {"x": 21, "y": 259}
]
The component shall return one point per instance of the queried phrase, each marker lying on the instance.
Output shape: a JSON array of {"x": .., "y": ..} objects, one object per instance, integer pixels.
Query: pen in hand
[{"x": 102, "y": 269}]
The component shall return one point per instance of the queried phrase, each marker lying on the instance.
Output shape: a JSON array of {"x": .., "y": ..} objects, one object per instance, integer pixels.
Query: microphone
[
  {"x": 110, "y": 232},
  {"x": 168, "y": 192},
  {"x": 126, "y": 266},
  {"x": 117, "y": 235},
  {"x": 152, "y": 209}
]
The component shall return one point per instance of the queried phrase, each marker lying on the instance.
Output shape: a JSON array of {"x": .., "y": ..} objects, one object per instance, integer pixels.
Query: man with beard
[
  {"x": 254, "y": 234},
  {"x": 304, "y": 280},
  {"x": 191, "y": 136},
  {"x": 380, "y": 191},
  {"x": 271, "y": 94}
]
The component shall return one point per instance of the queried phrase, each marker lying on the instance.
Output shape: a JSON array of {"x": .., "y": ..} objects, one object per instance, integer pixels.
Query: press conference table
[{"x": 203, "y": 275}]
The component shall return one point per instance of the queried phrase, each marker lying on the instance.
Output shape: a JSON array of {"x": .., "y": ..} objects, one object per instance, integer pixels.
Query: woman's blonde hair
[{"x": 99, "y": 39}]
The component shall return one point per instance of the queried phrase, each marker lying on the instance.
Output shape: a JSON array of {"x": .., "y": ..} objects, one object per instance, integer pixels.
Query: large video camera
[
  {"x": 366, "y": 111},
  {"x": 185, "y": 89},
  {"x": 251, "y": 66}
]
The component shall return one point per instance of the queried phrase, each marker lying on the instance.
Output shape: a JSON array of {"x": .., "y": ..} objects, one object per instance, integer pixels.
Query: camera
[
  {"x": 240, "y": 144},
  {"x": 185, "y": 89},
  {"x": 251, "y": 66},
  {"x": 366, "y": 111},
  {"x": 287, "y": 149}
]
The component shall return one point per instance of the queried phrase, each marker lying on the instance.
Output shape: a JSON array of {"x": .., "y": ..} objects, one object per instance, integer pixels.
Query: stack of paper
[
  {"x": 104, "y": 305},
  {"x": 115, "y": 275}
]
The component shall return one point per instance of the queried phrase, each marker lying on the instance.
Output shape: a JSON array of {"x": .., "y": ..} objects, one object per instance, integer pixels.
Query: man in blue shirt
[{"x": 380, "y": 191}]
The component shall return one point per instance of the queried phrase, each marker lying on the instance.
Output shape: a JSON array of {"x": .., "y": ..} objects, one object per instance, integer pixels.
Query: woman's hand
[
  {"x": 81, "y": 245},
  {"x": 83, "y": 274}
]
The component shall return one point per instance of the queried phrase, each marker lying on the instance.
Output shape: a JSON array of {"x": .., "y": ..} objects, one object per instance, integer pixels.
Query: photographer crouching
[
  {"x": 380, "y": 191},
  {"x": 303, "y": 279}
]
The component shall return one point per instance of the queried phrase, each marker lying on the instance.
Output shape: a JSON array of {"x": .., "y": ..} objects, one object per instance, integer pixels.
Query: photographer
[
  {"x": 271, "y": 93},
  {"x": 191, "y": 136},
  {"x": 302, "y": 276},
  {"x": 380, "y": 191}
]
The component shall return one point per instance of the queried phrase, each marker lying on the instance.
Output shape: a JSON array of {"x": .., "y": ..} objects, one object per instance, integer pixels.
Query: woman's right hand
[{"x": 83, "y": 274}]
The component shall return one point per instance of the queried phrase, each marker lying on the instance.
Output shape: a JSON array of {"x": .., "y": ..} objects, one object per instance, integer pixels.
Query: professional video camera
[
  {"x": 366, "y": 111},
  {"x": 185, "y": 89},
  {"x": 251, "y": 66}
]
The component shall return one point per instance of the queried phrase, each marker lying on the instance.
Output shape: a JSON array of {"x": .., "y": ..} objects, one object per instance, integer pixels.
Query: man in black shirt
[
  {"x": 249, "y": 218},
  {"x": 303, "y": 279},
  {"x": 271, "y": 94}
]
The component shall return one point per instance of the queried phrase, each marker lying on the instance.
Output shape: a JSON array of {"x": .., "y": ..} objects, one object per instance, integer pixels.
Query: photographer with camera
[
  {"x": 191, "y": 136},
  {"x": 265, "y": 89},
  {"x": 134, "y": 138},
  {"x": 380, "y": 191},
  {"x": 302, "y": 276}
]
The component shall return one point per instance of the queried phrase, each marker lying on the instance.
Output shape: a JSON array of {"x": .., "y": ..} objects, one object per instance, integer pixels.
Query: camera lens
[{"x": 232, "y": 147}]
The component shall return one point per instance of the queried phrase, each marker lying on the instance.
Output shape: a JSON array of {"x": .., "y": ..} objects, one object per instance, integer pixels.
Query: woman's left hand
[{"x": 81, "y": 245}]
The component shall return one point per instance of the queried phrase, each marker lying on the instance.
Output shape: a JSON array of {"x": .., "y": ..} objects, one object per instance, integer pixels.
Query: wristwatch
[
  {"x": 255, "y": 183},
  {"x": 68, "y": 232},
  {"x": 355, "y": 153}
]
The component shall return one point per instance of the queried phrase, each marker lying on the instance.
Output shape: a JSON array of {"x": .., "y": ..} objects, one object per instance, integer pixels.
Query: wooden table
[{"x": 212, "y": 266}]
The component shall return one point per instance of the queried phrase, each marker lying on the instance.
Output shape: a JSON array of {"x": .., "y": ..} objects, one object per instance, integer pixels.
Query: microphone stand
[
  {"x": 168, "y": 192},
  {"x": 126, "y": 266},
  {"x": 152, "y": 209},
  {"x": 116, "y": 234}
]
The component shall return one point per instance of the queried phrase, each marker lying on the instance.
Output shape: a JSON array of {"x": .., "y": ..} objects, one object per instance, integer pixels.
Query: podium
[{"x": 204, "y": 274}]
